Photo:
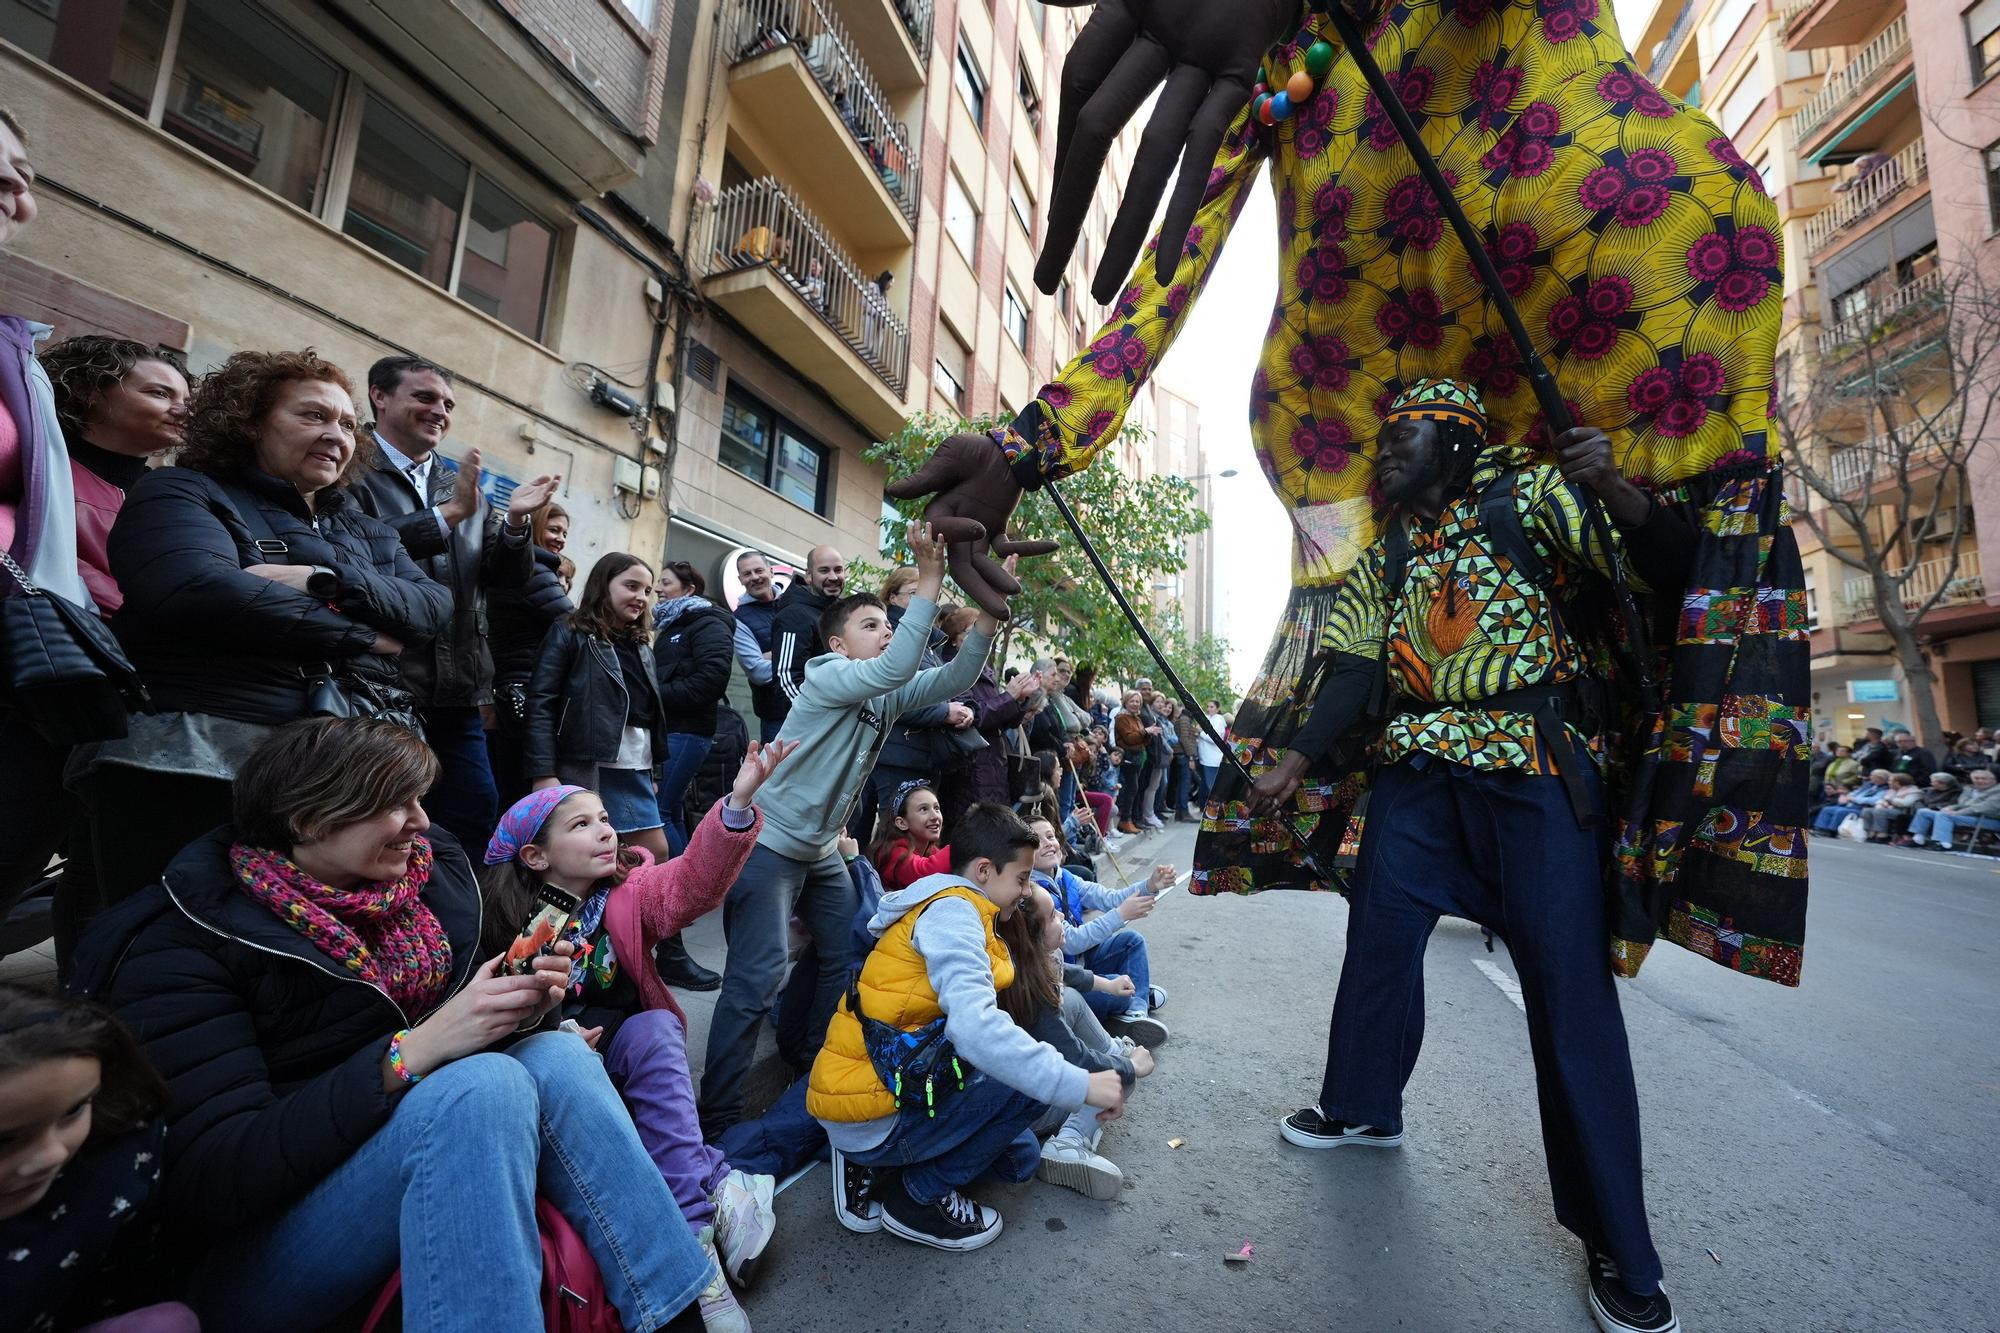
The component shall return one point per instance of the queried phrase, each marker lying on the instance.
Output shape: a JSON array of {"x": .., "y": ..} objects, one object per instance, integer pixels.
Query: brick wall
[{"x": 603, "y": 48}]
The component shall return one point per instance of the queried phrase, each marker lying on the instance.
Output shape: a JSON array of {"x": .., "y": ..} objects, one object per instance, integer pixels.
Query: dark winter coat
[
  {"x": 518, "y": 619},
  {"x": 692, "y": 657},
  {"x": 209, "y": 638},
  {"x": 795, "y": 639},
  {"x": 995, "y": 711},
  {"x": 272, "y": 1050},
  {"x": 455, "y": 670},
  {"x": 577, "y": 703}
]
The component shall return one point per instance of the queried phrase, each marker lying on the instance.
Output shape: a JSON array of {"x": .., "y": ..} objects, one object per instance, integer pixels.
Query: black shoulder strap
[
  {"x": 1500, "y": 518},
  {"x": 262, "y": 535}
]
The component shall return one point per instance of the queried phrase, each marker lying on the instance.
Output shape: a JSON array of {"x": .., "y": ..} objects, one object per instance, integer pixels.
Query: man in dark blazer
[{"x": 457, "y": 539}]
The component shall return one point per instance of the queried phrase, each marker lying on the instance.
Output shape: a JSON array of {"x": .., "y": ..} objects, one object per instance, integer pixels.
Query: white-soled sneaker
[
  {"x": 1310, "y": 1129},
  {"x": 744, "y": 1223},
  {"x": 719, "y": 1311},
  {"x": 1068, "y": 1161},
  {"x": 854, "y": 1202},
  {"x": 951, "y": 1223}
]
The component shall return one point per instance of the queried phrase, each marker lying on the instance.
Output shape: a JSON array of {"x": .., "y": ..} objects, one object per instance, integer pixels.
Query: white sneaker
[
  {"x": 1150, "y": 823},
  {"x": 1069, "y": 1162},
  {"x": 744, "y": 1223},
  {"x": 719, "y": 1311}
]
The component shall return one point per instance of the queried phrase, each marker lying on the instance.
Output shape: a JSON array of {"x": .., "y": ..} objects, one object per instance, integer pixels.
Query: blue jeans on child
[
  {"x": 985, "y": 1127},
  {"x": 1124, "y": 954},
  {"x": 446, "y": 1188},
  {"x": 685, "y": 752}
]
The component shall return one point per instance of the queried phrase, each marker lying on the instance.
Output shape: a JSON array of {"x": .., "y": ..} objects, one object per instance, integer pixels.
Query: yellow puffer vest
[{"x": 895, "y": 988}]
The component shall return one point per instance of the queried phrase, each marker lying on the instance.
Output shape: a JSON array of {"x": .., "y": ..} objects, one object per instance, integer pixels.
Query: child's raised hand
[
  {"x": 848, "y": 847},
  {"x": 1162, "y": 879},
  {"x": 1137, "y": 907},
  {"x": 928, "y": 548},
  {"x": 758, "y": 765}
]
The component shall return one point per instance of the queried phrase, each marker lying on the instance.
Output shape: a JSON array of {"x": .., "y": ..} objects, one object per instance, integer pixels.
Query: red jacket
[
  {"x": 657, "y": 900},
  {"x": 900, "y": 868}
]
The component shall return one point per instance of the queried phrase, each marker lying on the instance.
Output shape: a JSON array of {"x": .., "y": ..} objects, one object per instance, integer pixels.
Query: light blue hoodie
[{"x": 952, "y": 940}]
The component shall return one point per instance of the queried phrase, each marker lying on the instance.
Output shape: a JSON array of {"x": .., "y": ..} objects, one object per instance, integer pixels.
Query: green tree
[{"x": 1139, "y": 527}]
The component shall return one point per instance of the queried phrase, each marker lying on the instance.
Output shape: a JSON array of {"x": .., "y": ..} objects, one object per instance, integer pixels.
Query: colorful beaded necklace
[{"x": 1269, "y": 107}]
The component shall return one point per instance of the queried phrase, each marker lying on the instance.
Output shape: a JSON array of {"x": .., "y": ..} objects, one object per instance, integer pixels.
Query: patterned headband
[
  {"x": 1440, "y": 400},
  {"x": 907, "y": 790},
  {"x": 523, "y": 820}
]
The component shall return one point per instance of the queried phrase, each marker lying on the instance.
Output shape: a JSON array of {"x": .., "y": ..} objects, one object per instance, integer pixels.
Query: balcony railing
[
  {"x": 1958, "y": 583},
  {"x": 1850, "y": 467},
  {"x": 917, "y": 16},
  {"x": 1881, "y": 317},
  {"x": 1663, "y": 59},
  {"x": 1868, "y": 193},
  {"x": 829, "y": 53},
  {"x": 759, "y": 224},
  {"x": 1889, "y": 46}
]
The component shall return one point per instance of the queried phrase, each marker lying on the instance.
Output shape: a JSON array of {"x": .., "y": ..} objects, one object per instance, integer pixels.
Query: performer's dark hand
[
  {"x": 1208, "y": 53},
  {"x": 1269, "y": 793},
  {"x": 1584, "y": 455},
  {"x": 975, "y": 496}
]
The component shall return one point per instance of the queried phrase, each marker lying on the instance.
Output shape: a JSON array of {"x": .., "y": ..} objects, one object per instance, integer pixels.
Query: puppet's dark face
[{"x": 1407, "y": 458}]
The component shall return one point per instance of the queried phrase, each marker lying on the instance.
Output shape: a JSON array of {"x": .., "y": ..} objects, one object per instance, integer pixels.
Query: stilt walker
[{"x": 1637, "y": 254}]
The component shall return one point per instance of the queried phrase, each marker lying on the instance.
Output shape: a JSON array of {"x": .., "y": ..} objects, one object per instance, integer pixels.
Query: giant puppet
[{"x": 1641, "y": 255}]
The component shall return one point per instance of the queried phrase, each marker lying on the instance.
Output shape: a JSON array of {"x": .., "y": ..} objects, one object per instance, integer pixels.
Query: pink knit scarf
[{"x": 385, "y": 934}]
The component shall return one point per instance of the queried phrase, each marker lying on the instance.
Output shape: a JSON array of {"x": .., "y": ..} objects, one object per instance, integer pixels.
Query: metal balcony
[
  {"x": 1908, "y": 168},
  {"x": 771, "y": 264},
  {"x": 1841, "y": 86},
  {"x": 1897, "y": 307},
  {"x": 1960, "y": 584}
]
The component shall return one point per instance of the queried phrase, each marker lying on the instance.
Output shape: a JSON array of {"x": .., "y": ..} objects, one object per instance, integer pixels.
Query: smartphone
[{"x": 553, "y": 909}]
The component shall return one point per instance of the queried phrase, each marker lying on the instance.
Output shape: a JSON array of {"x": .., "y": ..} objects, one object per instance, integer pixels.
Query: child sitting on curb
[
  {"x": 1102, "y": 943},
  {"x": 906, "y": 838},
  {"x": 565, "y": 838},
  {"x": 923, "y": 1084},
  {"x": 1047, "y": 1000}
]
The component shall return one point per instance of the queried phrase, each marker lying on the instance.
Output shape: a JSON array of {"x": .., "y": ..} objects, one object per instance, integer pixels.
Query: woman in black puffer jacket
[
  {"x": 517, "y": 620},
  {"x": 693, "y": 652},
  {"x": 255, "y": 594}
]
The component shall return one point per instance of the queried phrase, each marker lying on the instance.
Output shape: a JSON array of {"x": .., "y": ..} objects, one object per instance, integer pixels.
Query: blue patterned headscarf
[{"x": 523, "y": 820}]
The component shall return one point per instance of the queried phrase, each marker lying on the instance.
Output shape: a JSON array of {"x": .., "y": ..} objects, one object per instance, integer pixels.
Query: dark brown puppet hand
[{"x": 975, "y": 495}]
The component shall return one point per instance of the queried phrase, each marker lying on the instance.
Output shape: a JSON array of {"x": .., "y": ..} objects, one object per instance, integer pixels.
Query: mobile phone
[{"x": 553, "y": 909}]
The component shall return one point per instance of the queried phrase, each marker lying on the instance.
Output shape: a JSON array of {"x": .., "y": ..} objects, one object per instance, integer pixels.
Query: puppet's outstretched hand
[
  {"x": 1208, "y": 53},
  {"x": 974, "y": 494}
]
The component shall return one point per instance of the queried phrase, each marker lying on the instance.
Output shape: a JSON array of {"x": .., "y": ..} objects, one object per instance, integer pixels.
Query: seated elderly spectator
[
  {"x": 1852, "y": 802},
  {"x": 349, "y": 1094},
  {"x": 1892, "y": 813},
  {"x": 1965, "y": 758},
  {"x": 1977, "y": 807},
  {"x": 256, "y": 594}
]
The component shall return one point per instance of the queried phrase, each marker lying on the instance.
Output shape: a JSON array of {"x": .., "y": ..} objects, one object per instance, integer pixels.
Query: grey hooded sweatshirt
[{"x": 952, "y": 941}]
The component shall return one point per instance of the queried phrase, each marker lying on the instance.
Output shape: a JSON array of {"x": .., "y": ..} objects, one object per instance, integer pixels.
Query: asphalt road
[{"x": 1832, "y": 1146}]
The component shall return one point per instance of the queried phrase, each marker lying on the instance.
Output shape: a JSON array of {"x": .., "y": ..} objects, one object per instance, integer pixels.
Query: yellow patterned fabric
[
  {"x": 1637, "y": 245},
  {"x": 1466, "y": 625}
]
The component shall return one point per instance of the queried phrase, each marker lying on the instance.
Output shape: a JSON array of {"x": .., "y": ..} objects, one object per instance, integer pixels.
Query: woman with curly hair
[
  {"x": 255, "y": 595},
  {"x": 120, "y": 403}
]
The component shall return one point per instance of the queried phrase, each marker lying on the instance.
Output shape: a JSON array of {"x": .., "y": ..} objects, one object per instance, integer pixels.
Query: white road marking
[
  {"x": 1801, "y": 1095},
  {"x": 794, "y": 1178},
  {"x": 1508, "y": 986}
]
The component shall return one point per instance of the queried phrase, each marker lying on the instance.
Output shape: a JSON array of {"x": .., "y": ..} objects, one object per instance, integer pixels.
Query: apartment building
[
  {"x": 1875, "y": 130},
  {"x": 859, "y": 188},
  {"x": 221, "y": 174}
]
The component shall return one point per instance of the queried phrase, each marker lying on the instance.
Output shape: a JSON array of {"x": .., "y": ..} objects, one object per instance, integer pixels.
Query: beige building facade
[{"x": 219, "y": 175}]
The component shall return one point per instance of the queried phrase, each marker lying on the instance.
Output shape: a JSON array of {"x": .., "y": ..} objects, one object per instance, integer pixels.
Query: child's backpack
[{"x": 573, "y": 1295}]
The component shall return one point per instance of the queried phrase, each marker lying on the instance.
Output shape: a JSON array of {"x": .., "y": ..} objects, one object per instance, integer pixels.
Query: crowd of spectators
[
  {"x": 1888, "y": 789},
  {"x": 369, "y": 920}
]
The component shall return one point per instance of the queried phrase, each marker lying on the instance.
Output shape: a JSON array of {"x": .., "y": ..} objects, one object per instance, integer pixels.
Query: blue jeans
[
  {"x": 756, "y": 918},
  {"x": 1177, "y": 781},
  {"x": 1501, "y": 849},
  {"x": 1939, "y": 827},
  {"x": 1208, "y": 772},
  {"x": 464, "y": 799},
  {"x": 447, "y": 1190},
  {"x": 1124, "y": 954},
  {"x": 685, "y": 752},
  {"x": 985, "y": 1127}
]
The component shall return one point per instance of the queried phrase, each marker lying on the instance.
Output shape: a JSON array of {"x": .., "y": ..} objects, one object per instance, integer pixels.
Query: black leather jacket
[
  {"x": 577, "y": 703},
  {"x": 518, "y": 619}
]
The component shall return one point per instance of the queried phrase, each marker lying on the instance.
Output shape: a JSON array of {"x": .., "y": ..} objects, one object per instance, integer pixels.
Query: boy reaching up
[
  {"x": 851, "y": 696},
  {"x": 933, "y": 1084}
]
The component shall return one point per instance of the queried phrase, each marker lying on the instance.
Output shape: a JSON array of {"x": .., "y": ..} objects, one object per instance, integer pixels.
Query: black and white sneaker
[
  {"x": 854, "y": 1202},
  {"x": 952, "y": 1223},
  {"x": 1619, "y": 1310},
  {"x": 1310, "y": 1129},
  {"x": 1144, "y": 1029}
]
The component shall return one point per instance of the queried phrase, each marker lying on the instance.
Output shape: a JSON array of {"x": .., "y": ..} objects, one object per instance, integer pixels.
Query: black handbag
[
  {"x": 332, "y": 694},
  {"x": 1024, "y": 771},
  {"x": 64, "y": 672},
  {"x": 952, "y": 748}
]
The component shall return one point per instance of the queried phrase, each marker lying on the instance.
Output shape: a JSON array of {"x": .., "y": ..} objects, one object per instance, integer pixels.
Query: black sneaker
[
  {"x": 952, "y": 1223},
  {"x": 1619, "y": 1310},
  {"x": 1310, "y": 1129},
  {"x": 1143, "y": 1029},
  {"x": 854, "y": 1202}
]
